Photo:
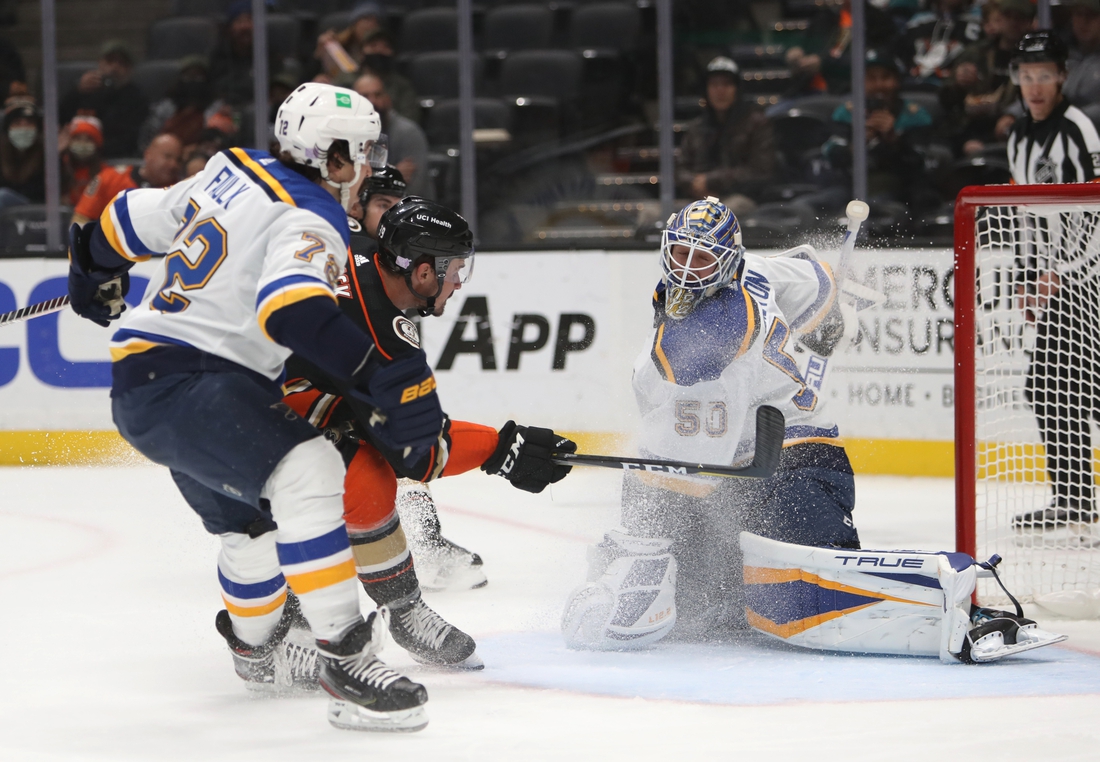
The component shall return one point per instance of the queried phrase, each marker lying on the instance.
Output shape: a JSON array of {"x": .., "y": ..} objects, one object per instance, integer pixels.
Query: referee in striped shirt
[{"x": 1056, "y": 143}]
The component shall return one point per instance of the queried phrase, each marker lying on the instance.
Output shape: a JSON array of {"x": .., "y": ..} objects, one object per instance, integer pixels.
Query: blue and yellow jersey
[
  {"x": 702, "y": 378},
  {"x": 238, "y": 242}
]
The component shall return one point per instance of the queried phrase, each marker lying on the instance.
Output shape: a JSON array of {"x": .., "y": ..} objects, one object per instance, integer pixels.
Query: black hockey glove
[
  {"x": 399, "y": 404},
  {"x": 95, "y": 293},
  {"x": 523, "y": 457}
]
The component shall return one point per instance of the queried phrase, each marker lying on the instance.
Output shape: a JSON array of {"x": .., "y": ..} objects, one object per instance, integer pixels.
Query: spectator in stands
[
  {"x": 378, "y": 59},
  {"x": 1082, "y": 87},
  {"x": 894, "y": 129},
  {"x": 195, "y": 163},
  {"x": 183, "y": 111},
  {"x": 365, "y": 18},
  {"x": 979, "y": 96},
  {"x": 22, "y": 173},
  {"x": 936, "y": 37},
  {"x": 408, "y": 146},
  {"x": 161, "y": 168},
  {"x": 79, "y": 143},
  {"x": 730, "y": 147},
  {"x": 824, "y": 63},
  {"x": 107, "y": 93},
  {"x": 231, "y": 65}
]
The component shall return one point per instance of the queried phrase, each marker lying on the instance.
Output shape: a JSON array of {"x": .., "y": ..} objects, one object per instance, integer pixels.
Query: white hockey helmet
[{"x": 315, "y": 115}]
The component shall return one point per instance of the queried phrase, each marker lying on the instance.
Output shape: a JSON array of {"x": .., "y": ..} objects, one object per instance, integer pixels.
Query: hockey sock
[
  {"x": 306, "y": 494},
  {"x": 253, "y": 587},
  {"x": 383, "y": 562}
]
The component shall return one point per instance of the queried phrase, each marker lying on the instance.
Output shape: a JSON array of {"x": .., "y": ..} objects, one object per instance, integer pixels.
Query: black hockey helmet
[
  {"x": 1043, "y": 46},
  {"x": 386, "y": 180},
  {"x": 417, "y": 230}
]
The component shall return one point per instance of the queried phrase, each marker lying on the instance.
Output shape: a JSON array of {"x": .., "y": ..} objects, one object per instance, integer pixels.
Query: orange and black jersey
[{"x": 361, "y": 294}]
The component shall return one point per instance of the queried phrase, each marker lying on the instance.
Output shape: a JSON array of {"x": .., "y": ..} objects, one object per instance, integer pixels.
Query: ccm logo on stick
[
  {"x": 655, "y": 468},
  {"x": 418, "y": 390},
  {"x": 903, "y": 563}
]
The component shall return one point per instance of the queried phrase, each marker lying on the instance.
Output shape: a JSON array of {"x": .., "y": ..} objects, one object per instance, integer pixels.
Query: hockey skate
[
  {"x": 997, "y": 634},
  {"x": 286, "y": 662},
  {"x": 366, "y": 694},
  {"x": 430, "y": 639},
  {"x": 440, "y": 563},
  {"x": 1058, "y": 525}
]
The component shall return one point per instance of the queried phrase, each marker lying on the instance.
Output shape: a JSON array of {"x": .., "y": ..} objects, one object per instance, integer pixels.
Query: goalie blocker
[{"x": 883, "y": 602}]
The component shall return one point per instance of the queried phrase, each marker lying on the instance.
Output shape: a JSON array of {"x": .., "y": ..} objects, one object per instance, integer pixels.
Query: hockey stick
[
  {"x": 857, "y": 212},
  {"x": 770, "y": 430},
  {"x": 35, "y": 310}
]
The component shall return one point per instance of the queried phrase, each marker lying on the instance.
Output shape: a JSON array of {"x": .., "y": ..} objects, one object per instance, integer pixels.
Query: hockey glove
[
  {"x": 95, "y": 293},
  {"x": 523, "y": 457},
  {"x": 400, "y": 406}
]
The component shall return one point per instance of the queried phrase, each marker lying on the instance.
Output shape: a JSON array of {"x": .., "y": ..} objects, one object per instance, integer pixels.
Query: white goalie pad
[
  {"x": 630, "y": 599},
  {"x": 871, "y": 601}
]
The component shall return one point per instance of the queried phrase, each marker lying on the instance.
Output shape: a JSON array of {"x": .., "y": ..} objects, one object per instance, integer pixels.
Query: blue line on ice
[{"x": 752, "y": 671}]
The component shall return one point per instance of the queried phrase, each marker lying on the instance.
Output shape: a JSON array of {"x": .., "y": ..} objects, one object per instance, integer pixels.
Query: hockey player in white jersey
[
  {"x": 725, "y": 325},
  {"x": 251, "y": 250}
]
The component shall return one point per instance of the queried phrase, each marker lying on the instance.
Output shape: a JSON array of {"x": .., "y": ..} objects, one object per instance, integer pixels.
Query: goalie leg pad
[
  {"x": 883, "y": 602},
  {"x": 630, "y": 599}
]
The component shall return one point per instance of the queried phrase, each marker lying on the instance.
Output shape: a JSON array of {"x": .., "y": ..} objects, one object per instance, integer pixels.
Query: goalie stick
[
  {"x": 35, "y": 310},
  {"x": 770, "y": 430}
]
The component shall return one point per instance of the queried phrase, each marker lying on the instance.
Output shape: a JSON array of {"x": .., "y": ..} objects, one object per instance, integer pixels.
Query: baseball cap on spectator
[
  {"x": 1021, "y": 7},
  {"x": 363, "y": 10},
  {"x": 87, "y": 125},
  {"x": 723, "y": 65},
  {"x": 21, "y": 107},
  {"x": 885, "y": 60},
  {"x": 117, "y": 49},
  {"x": 239, "y": 8}
]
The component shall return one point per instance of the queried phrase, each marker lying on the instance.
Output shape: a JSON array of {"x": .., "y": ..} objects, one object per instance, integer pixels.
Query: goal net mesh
[{"x": 1037, "y": 391}]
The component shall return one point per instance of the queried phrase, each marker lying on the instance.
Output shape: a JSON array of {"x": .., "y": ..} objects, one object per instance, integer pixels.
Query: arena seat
[
  {"x": 605, "y": 26},
  {"x": 429, "y": 29},
  {"x": 518, "y": 27},
  {"x": 155, "y": 78},
  {"x": 174, "y": 38},
  {"x": 435, "y": 75},
  {"x": 441, "y": 124}
]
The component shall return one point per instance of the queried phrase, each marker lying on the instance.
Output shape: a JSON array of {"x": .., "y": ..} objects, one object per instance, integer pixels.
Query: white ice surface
[{"x": 108, "y": 650}]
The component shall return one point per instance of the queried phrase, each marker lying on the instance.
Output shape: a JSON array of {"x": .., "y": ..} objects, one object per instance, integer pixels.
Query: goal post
[{"x": 1027, "y": 390}]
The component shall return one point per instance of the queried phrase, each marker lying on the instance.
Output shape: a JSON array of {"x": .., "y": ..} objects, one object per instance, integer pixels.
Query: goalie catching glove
[{"x": 524, "y": 457}]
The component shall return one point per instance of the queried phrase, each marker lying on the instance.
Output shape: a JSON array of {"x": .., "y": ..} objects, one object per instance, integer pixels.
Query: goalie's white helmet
[
  {"x": 315, "y": 115},
  {"x": 700, "y": 253}
]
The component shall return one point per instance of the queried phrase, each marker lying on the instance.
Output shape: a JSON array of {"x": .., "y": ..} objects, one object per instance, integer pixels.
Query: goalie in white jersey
[
  {"x": 252, "y": 248},
  {"x": 701, "y": 557}
]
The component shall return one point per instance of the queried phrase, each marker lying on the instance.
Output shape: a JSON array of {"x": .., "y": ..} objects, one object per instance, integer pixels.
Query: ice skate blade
[
  {"x": 275, "y": 690},
  {"x": 349, "y": 716},
  {"x": 471, "y": 578},
  {"x": 471, "y": 663},
  {"x": 997, "y": 649}
]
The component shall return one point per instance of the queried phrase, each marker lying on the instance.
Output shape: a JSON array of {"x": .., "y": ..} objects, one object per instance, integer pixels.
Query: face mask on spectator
[
  {"x": 81, "y": 149},
  {"x": 22, "y": 137}
]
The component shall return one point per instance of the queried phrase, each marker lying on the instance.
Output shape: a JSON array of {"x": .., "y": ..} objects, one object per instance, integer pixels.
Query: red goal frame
[{"x": 966, "y": 206}]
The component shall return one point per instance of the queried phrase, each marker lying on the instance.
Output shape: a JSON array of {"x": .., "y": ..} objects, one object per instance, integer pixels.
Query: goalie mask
[
  {"x": 416, "y": 230},
  {"x": 700, "y": 253}
]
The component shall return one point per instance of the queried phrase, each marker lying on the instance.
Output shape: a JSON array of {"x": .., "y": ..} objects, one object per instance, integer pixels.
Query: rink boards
[{"x": 547, "y": 338}]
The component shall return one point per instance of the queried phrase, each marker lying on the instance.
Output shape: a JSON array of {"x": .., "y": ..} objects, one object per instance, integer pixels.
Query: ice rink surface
[{"x": 109, "y": 651}]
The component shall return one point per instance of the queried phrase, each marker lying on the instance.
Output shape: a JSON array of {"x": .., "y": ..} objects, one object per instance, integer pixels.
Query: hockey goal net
[{"x": 1027, "y": 390}]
